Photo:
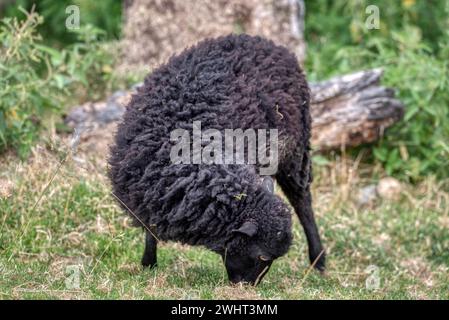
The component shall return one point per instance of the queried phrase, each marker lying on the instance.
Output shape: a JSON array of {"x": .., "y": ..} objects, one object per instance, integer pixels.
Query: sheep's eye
[{"x": 264, "y": 258}]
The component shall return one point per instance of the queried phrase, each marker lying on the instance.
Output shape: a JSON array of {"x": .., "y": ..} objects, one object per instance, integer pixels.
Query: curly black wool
[{"x": 234, "y": 81}]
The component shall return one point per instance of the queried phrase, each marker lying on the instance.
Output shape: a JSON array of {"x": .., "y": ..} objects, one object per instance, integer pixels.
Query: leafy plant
[
  {"x": 36, "y": 79},
  {"x": 105, "y": 15},
  {"x": 86, "y": 66},
  {"x": 420, "y": 143},
  {"x": 24, "y": 94}
]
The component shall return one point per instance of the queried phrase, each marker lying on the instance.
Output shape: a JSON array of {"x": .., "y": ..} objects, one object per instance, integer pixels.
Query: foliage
[
  {"x": 418, "y": 145},
  {"x": 412, "y": 45},
  {"x": 104, "y": 15},
  {"x": 36, "y": 79},
  {"x": 24, "y": 94}
]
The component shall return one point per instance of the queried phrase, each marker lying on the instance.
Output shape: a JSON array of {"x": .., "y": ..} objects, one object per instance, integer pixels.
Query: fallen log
[
  {"x": 352, "y": 109},
  {"x": 346, "y": 110}
]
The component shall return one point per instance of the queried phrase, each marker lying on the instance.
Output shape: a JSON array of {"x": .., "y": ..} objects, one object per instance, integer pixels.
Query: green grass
[{"x": 77, "y": 222}]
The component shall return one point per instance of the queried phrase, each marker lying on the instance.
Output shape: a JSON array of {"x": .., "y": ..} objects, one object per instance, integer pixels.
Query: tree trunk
[{"x": 156, "y": 29}]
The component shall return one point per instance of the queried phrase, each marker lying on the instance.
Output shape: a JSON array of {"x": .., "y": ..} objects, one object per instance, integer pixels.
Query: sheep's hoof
[
  {"x": 147, "y": 264},
  {"x": 319, "y": 263},
  {"x": 321, "y": 272}
]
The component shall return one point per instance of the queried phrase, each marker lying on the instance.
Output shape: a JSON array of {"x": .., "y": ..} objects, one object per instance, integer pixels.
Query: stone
[
  {"x": 389, "y": 188},
  {"x": 367, "y": 195}
]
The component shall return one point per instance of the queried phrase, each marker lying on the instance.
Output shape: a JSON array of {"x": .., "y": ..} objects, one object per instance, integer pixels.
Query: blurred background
[
  {"x": 381, "y": 166},
  {"x": 87, "y": 63}
]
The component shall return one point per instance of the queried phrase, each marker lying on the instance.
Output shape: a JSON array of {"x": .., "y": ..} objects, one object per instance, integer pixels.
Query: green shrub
[
  {"x": 85, "y": 67},
  {"x": 412, "y": 46},
  {"x": 36, "y": 79},
  {"x": 24, "y": 94},
  {"x": 105, "y": 15},
  {"x": 418, "y": 145}
]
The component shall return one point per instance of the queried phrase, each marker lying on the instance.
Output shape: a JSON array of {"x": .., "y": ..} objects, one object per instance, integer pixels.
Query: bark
[
  {"x": 351, "y": 110},
  {"x": 156, "y": 29}
]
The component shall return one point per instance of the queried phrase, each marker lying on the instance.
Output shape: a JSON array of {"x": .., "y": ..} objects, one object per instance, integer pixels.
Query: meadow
[{"x": 63, "y": 236}]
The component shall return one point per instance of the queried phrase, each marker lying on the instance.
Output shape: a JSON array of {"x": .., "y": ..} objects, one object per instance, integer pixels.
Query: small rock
[
  {"x": 76, "y": 116},
  {"x": 389, "y": 188},
  {"x": 93, "y": 114},
  {"x": 6, "y": 188},
  {"x": 112, "y": 112},
  {"x": 367, "y": 195}
]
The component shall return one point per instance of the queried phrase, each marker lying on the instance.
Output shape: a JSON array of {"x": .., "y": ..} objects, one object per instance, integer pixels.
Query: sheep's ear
[
  {"x": 248, "y": 228},
  {"x": 268, "y": 184}
]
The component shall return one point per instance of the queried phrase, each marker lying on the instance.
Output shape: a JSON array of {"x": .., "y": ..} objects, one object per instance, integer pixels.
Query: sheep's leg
[
  {"x": 149, "y": 257},
  {"x": 295, "y": 177}
]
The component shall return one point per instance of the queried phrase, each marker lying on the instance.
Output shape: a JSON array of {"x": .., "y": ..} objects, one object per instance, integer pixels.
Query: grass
[{"x": 77, "y": 223}]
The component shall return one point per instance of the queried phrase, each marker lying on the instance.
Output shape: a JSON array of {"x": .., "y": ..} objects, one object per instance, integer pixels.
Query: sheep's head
[{"x": 260, "y": 239}]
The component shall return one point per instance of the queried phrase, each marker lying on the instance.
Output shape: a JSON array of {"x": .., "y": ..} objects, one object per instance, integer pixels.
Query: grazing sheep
[{"x": 235, "y": 81}]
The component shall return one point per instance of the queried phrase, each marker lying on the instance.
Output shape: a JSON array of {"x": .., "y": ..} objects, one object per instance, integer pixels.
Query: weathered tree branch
[{"x": 352, "y": 109}]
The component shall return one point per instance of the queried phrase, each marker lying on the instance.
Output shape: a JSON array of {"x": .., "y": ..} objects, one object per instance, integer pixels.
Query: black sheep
[{"x": 234, "y": 81}]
